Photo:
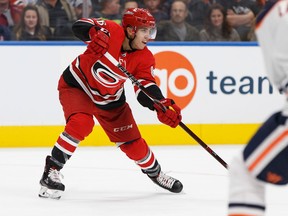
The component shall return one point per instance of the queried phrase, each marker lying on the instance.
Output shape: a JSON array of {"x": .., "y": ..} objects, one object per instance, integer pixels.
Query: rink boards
[{"x": 222, "y": 89}]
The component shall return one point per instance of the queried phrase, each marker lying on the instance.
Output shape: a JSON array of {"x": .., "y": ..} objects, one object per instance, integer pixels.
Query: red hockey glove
[
  {"x": 171, "y": 117},
  {"x": 99, "y": 41}
]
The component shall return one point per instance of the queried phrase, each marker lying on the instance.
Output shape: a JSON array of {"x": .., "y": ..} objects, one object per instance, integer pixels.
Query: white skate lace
[
  {"x": 165, "y": 180},
  {"x": 55, "y": 175}
]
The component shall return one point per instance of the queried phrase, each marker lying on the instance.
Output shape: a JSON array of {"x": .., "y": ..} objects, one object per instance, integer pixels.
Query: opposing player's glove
[
  {"x": 171, "y": 117},
  {"x": 99, "y": 41}
]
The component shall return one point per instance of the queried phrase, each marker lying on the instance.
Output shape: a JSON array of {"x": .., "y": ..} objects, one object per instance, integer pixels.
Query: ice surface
[{"x": 102, "y": 181}]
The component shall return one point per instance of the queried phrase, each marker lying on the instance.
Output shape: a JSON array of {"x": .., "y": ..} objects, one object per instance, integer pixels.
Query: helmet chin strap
[
  {"x": 130, "y": 43},
  {"x": 130, "y": 40}
]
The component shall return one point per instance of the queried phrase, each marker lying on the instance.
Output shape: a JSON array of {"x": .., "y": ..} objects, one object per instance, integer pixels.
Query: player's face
[
  {"x": 143, "y": 35},
  {"x": 217, "y": 18}
]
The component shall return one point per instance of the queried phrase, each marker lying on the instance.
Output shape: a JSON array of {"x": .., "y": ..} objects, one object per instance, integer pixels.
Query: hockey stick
[{"x": 158, "y": 103}]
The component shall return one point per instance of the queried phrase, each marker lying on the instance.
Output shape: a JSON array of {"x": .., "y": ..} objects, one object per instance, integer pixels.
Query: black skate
[
  {"x": 51, "y": 186},
  {"x": 167, "y": 182}
]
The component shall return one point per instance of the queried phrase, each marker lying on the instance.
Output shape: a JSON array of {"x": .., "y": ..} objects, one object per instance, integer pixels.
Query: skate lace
[
  {"x": 55, "y": 175},
  {"x": 165, "y": 180}
]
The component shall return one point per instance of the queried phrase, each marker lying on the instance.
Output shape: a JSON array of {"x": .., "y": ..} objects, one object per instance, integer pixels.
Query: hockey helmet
[{"x": 138, "y": 18}]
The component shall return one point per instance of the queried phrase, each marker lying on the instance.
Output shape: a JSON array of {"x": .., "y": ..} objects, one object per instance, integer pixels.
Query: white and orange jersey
[
  {"x": 272, "y": 32},
  {"x": 264, "y": 158},
  {"x": 102, "y": 81}
]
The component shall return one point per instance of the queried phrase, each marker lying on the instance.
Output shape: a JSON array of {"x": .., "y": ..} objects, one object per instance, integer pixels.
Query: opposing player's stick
[{"x": 158, "y": 103}]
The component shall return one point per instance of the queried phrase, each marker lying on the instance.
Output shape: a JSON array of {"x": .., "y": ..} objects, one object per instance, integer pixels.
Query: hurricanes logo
[
  {"x": 176, "y": 77},
  {"x": 105, "y": 76}
]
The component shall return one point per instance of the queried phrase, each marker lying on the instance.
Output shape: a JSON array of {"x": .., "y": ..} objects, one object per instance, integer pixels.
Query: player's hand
[
  {"x": 171, "y": 117},
  {"x": 99, "y": 41}
]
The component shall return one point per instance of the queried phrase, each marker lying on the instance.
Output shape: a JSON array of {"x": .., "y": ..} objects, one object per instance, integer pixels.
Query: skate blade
[{"x": 50, "y": 193}]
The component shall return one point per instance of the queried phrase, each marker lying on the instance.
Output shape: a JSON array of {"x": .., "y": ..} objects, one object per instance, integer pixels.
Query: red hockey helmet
[{"x": 139, "y": 18}]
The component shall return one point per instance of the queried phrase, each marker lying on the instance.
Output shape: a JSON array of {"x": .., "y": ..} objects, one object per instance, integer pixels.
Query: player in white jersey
[{"x": 265, "y": 158}]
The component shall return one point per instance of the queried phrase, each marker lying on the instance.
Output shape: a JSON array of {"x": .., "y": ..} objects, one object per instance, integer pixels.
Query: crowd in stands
[{"x": 177, "y": 20}]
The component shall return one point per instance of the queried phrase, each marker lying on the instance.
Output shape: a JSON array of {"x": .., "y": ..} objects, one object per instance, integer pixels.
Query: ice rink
[{"x": 102, "y": 181}]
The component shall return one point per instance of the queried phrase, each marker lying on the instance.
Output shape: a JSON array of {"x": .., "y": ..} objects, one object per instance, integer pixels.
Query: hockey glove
[
  {"x": 170, "y": 117},
  {"x": 99, "y": 43}
]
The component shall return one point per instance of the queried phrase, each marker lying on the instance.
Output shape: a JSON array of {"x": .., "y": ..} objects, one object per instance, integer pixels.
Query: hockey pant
[
  {"x": 118, "y": 124},
  {"x": 263, "y": 160}
]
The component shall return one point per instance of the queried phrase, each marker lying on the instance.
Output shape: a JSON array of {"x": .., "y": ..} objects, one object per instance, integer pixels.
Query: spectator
[
  {"x": 5, "y": 33},
  {"x": 83, "y": 8},
  {"x": 216, "y": 27},
  {"x": 110, "y": 9},
  {"x": 166, "y": 6},
  {"x": 10, "y": 14},
  {"x": 251, "y": 36},
  {"x": 30, "y": 2},
  {"x": 224, "y": 3},
  {"x": 29, "y": 27},
  {"x": 129, "y": 4},
  {"x": 96, "y": 5},
  {"x": 154, "y": 8},
  {"x": 59, "y": 16},
  {"x": 198, "y": 10},
  {"x": 139, "y": 2},
  {"x": 177, "y": 29},
  {"x": 240, "y": 15}
]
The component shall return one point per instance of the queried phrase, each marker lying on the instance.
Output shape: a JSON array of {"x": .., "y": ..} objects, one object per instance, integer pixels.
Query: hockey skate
[
  {"x": 167, "y": 182},
  {"x": 51, "y": 186}
]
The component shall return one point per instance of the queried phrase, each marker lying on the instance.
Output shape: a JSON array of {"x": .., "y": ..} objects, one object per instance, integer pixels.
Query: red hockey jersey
[{"x": 99, "y": 78}]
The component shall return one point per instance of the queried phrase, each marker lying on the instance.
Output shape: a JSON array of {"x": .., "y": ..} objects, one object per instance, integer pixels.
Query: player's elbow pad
[{"x": 81, "y": 30}]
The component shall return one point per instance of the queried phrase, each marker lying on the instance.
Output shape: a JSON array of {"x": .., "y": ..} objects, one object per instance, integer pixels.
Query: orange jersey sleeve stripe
[{"x": 267, "y": 150}]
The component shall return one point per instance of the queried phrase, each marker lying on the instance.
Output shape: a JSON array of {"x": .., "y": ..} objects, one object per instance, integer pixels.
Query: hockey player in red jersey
[
  {"x": 265, "y": 158},
  {"x": 91, "y": 86}
]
